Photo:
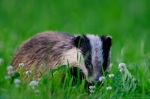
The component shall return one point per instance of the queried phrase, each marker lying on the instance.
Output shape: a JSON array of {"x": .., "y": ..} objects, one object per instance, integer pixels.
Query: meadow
[{"x": 128, "y": 22}]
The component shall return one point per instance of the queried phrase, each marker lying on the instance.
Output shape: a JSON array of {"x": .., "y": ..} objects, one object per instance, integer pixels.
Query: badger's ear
[
  {"x": 108, "y": 41},
  {"x": 77, "y": 41}
]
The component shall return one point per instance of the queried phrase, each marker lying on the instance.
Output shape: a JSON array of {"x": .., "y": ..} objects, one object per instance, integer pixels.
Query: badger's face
[{"x": 96, "y": 53}]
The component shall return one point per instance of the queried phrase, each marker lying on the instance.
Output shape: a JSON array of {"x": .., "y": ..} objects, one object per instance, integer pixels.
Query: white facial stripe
[
  {"x": 71, "y": 57},
  {"x": 96, "y": 47}
]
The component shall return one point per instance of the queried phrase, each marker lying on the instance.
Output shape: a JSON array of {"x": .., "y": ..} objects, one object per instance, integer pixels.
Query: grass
[{"x": 127, "y": 22}]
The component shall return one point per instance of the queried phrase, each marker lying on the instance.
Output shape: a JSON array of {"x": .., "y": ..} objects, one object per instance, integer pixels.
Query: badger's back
[{"x": 43, "y": 51}]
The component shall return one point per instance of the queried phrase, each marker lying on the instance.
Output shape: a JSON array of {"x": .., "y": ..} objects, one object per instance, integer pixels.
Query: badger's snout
[{"x": 96, "y": 80}]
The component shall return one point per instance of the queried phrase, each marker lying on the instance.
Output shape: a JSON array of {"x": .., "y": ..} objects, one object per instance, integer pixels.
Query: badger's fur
[{"x": 50, "y": 49}]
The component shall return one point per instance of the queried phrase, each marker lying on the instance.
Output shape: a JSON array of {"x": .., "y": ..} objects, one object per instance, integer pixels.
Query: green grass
[{"x": 128, "y": 22}]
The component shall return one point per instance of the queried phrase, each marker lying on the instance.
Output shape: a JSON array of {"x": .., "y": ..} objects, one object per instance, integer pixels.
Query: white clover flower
[
  {"x": 1, "y": 60},
  {"x": 101, "y": 78},
  {"x": 21, "y": 65},
  {"x": 122, "y": 67},
  {"x": 91, "y": 91},
  {"x": 108, "y": 88},
  {"x": 111, "y": 75},
  {"x": 10, "y": 70},
  {"x": 11, "y": 73},
  {"x": 29, "y": 72},
  {"x": 7, "y": 77},
  {"x": 39, "y": 79},
  {"x": 33, "y": 84},
  {"x": 17, "y": 82},
  {"x": 91, "y": 87}
]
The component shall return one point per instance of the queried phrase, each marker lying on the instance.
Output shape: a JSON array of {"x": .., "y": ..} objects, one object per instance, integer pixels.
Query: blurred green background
[{"x": 127, "y": 21}]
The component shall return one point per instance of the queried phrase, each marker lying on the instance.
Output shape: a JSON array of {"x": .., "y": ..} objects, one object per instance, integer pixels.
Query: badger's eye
[
  {"x": 91, "y": 64},
  {"x": 91, "y": 68}
]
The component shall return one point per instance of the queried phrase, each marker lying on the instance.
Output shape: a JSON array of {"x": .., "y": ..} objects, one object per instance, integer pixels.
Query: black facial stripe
[
  {"x": 86, "y": 51},
  {"x": 106, "y": 50}
]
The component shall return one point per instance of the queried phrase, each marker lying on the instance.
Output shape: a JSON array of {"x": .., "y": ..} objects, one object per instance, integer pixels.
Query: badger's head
[{"x": 96, "y": 53}]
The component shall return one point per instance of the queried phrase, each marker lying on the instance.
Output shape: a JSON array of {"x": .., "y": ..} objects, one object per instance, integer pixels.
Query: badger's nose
[{"x": 97, "y": 79}]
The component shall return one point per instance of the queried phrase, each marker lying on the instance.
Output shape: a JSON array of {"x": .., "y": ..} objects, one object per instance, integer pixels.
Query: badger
[{"x": 51, "y": 49}]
